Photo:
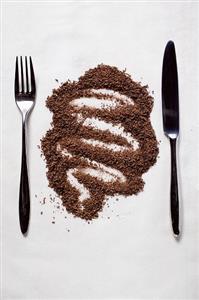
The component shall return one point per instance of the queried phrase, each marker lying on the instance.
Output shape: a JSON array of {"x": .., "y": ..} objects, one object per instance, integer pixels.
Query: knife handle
[{"x": 174, "y": 201}]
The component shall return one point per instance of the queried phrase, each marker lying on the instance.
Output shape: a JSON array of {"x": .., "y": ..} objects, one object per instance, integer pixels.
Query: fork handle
[
  {"x": 24, "y": 194},
  {"x": 174, "y": 201}
]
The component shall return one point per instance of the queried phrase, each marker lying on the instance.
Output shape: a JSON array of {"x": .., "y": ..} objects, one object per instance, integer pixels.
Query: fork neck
[{"x": 24, "y": 116}]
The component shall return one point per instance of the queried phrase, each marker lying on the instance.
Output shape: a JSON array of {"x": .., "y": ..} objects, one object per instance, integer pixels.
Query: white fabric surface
[{"x": 134, "y": 255}]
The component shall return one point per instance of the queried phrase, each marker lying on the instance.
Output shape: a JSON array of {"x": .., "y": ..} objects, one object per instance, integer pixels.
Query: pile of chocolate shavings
[{"x": 67, "y": 131}]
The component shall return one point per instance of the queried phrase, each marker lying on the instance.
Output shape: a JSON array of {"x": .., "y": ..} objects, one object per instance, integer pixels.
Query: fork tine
[
  {"x": 32, "y": 77},
  {"x": 22, "y": 79},
  {"x": 27, "y": 78},
  {"x": 16, "y": 76}
]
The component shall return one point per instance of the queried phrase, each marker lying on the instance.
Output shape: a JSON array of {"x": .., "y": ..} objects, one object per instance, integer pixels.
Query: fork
[{"x": 25, "y": 94}]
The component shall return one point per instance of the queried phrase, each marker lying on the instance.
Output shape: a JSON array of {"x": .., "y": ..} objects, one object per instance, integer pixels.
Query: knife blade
[{"x": 170, "y": 113}]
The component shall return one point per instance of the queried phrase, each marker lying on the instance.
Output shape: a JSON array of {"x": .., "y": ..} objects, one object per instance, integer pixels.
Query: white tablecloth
[{"x": 133, "y": 255}]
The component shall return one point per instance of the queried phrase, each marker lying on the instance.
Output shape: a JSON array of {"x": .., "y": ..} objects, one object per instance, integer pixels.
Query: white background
[{"x": 133, "y": 255}]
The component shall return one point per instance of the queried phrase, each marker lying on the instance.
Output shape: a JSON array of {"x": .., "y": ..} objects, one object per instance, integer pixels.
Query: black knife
[{"x": 170, "y": 111}]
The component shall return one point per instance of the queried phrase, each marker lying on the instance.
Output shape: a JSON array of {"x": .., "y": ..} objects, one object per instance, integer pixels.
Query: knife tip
[{"x": 170, "y": 44}]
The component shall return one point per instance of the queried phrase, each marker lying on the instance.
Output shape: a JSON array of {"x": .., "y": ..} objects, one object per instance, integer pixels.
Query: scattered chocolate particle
[
  {"x": 41, "y": 212},
  {"x": 67, "y": 132},
  {"x": 53, "y": 222},
  {"x": 56, "y": 80}
]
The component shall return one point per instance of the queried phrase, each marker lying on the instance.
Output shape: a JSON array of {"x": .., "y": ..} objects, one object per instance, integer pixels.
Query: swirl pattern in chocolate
[{"x": 101, "y": 141}]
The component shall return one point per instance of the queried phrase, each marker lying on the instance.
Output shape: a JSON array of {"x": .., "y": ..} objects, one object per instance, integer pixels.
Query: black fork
[{"x": 25, "y": 94}]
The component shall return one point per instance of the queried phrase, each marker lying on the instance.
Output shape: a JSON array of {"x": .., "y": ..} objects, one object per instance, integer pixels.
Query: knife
[{"x": 170, "y": 112}]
